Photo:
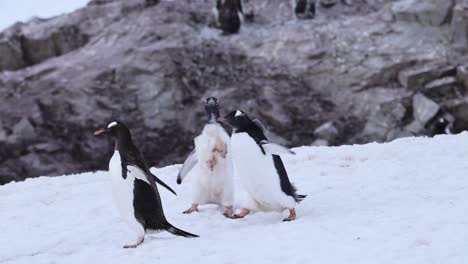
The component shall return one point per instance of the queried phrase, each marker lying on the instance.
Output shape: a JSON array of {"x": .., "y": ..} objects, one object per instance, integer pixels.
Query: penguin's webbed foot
[
  {"x": 139, "y": 242},
  {"x": 229, "y": 213},
  {"x": 291, "y": 217},
  {"x": 242, "y": 213},
  {"x": 193, "y": 208}
]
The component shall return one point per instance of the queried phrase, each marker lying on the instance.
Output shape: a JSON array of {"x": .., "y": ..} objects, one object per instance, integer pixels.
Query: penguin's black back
[
  {"x": 256, "y": 132},
  {"x": 148, "y": 207},
  {"x": 229, "y": 16},
  {"x": 147, "y": 203}
]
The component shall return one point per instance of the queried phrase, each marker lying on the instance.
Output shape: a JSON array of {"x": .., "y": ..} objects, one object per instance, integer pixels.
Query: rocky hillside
[{"x": 362, "y": 70}]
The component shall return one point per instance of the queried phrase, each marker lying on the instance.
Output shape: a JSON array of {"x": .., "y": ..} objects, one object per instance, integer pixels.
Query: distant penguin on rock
[
  {"x": 304, "y": 9},
  {"x": 228, "y": 15},
  {"x": 258, "y": 164},
  {"x": 134, "y": 187},
  {"x": 210, "y": 164},
  {"x": 440, "y": 127}
]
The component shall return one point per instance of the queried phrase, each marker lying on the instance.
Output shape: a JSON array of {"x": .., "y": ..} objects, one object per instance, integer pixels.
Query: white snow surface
[
  {"x": 22, "y": 10},
  {"x": 401, "y": 202}
]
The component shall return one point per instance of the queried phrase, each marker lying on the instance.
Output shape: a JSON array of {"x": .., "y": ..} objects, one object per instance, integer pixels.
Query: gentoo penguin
[
  {"x": 440, "y": 127},
  {"x": 260, "y": 168},
  {"x": 228, "y": 15},
  {"x": 134, "y": 188},
  {"x": 211, "y": 163},
  {"x": 304, "y": 9}
]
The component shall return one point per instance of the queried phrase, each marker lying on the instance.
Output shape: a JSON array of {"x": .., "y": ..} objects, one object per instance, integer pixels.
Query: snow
[
  {"x": 23, "y": 10},
  {"x": 401, "y": 202}
]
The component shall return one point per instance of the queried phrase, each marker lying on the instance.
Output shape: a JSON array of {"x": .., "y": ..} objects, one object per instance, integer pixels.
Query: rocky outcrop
[{"x": 359, "y": 71}]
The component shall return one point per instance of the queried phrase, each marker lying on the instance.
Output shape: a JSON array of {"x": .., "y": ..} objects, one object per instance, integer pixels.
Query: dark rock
[
  {"x": 459, "y": 109},
  {"x": 462, "y": 75},
  {"x": 151, "y": 68},
  {"x": 417, "y": 76},
  {"x": 459, "y": 25},
  {"x": 426, "y": 12},
  {"x": 151, "y": 2},
  {"x": 22, "y": 132},
  {"x": 442, "y": 89},
  {"x": 328, "y": 3},
  {"x": 415, "y": 128}
]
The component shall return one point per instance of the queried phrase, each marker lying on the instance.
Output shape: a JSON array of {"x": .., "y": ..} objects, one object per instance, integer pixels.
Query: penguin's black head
[
  {"x": 115, "y": 129},
  {"x": 212, "y": 108},
  {"x": 237, "y": 119}
]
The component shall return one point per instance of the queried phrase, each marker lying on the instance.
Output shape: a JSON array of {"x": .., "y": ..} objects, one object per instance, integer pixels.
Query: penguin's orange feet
[
  {"x": 242, "y": 213},
  {"x": 292, "y": 215},
  {"x": 193, "y": 208},
  {"x": 229, "y": 213},
  {"x": 139, "y": 242}
]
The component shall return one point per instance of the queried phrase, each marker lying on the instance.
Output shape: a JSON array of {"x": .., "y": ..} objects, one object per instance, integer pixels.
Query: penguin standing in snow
[
  {"x": 260, "y": 168},
  {"x": 134, "y": 187},
  {"x": 228, "y": 15},
  {"x": 211, "y": 164}
]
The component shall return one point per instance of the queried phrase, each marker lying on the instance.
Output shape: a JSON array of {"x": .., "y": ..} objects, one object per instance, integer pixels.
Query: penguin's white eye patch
[
  {"x": 238, "y": 113},
  {"x": 113, "y": 124}
]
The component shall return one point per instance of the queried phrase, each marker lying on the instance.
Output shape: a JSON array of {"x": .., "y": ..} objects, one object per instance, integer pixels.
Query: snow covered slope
[{"x": 402, "y": 202}]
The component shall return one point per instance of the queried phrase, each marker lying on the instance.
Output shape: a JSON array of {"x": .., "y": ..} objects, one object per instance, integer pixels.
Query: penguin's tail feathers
[
  {"x": 301, "y": 197},
  {"x": 179, "y": 232}
]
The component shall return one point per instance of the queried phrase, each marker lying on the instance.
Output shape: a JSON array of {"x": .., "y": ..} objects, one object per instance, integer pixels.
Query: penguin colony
[{"x": 217, "y": 157}]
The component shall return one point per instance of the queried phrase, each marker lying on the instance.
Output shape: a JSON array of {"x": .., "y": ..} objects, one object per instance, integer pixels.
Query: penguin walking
[
  {"x": 134, "y": 187},
  {"x": 211, "y": 165},
  {"x": 228, "y": 15},
  {"x": 260, "y": 168}
]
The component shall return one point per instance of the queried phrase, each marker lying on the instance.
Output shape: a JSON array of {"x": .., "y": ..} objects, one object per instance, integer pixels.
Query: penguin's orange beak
[
  {"x": 221, "y": 119},
  {"x": 99, "y": 132}
]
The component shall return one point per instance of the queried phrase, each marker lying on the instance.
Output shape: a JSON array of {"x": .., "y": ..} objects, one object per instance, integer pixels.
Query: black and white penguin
[
  {"x": 228, "y": 15},
  {"x": 210, "y": 164},
  {"x": 304, "y": 9},
  {"x": 134, "y": 187},
  {"x": 258, "y": 164},
  {"x": 440, "y": 127}
]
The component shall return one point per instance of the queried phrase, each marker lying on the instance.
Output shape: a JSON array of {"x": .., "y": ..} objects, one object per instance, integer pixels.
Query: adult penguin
[
  {"x": 304, "y": 9},
  {"x": 134, "y": 187},
  {"x": 210, "y": 165},
  {"x": 228, "y": 15},
  {"x": 260, "y": 168}
]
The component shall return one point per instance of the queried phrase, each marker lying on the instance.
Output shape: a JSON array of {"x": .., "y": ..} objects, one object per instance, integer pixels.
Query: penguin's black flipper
[
  {"x": 163, "y": 184},
  {"x": 178, "y": 232},
  {"x": 137, "y": 170},
  {"x": 275, "y": 149}
]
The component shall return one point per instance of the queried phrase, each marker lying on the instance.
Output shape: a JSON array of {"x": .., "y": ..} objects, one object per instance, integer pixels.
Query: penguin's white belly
[
  {"x": 258, "y": 176},
  {"x": 123, "y": 191},
  {"x": 213, "y": 173}
]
